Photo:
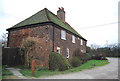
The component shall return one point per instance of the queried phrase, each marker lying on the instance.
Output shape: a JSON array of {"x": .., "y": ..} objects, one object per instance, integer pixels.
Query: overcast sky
[{"x": 91, "y": 18}]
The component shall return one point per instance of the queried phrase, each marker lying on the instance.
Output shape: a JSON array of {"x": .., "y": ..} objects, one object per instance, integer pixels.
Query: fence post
[{"x": 33, "y": 67}]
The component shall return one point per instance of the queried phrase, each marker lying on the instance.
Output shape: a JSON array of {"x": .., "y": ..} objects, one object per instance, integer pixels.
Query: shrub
[
  {"x": 40, "y": 68},
  {"x": 99, "y": 57},
  {"x": 89, "y": 56},
  {"x": 82, "y": 56},
  {"x": 58, "y": 62},
  {"x": 75, "y": 62},
  {"x": 29, "y": 46}
]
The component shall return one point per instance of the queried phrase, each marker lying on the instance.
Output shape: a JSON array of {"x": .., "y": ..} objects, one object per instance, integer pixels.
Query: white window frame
[
  {"x": 68, "y": 53},
  {"x": 73, "y": 39},
  {"x": 63, "y": 34},
  {"x": 82, "y": 51},
  {"x": 81, "y": 41},
  {"x": 58, "y": 50}
]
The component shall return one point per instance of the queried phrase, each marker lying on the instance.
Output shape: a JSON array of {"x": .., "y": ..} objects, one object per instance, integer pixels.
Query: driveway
[{"x": 109, "y": 71}]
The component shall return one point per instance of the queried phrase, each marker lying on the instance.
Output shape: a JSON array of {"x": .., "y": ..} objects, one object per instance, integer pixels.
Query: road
[{"x": 109, "y": 71}]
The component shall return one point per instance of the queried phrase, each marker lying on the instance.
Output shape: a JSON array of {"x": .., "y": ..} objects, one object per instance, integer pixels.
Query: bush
[
  {"x": 75, "y": 62},
  {"x": 82, "y": 56},
  {"x": 58, "y": 62},
  {"x": 5, "y": 71},
  {"x": 99, "y": 57},
  {"x": 40, "y": 68},
  {"x": 29, "y": 46},
  {"x": 89, "y": 56}
]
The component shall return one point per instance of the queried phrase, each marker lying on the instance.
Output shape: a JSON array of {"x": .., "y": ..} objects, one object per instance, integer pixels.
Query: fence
[{"x": 12, "y": 56}]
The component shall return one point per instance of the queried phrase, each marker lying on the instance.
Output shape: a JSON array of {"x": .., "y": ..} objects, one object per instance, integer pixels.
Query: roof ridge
[
  {"x": 71, "y": 27},
  {"x": 46, "y": 11},
  {"x": 29, "y": 17},
  {"x": 65, "y": 23},
  {"x": 45, "y": 15}
]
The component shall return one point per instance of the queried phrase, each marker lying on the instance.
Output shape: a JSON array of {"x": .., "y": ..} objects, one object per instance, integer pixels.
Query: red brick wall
[
  {"x": 64, "y": 44},
  {"x": 44, "y": 36}
]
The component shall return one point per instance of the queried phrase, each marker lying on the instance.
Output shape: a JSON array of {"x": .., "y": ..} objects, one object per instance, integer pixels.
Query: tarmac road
[{"x": 109, "y": 71}]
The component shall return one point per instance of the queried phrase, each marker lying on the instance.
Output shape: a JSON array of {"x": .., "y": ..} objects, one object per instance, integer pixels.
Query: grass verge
[
  {"x": 0, "y": 72},
  {"x": 10, "y": 77},
  {"x": 5, "y": 72},
  {"x": 88, "y": 65}
]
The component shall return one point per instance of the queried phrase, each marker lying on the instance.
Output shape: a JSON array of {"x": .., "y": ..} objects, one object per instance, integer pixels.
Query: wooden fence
[{"x": 12, "y": 56}]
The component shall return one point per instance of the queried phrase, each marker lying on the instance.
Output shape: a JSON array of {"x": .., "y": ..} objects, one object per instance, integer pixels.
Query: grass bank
[{"x": 88, "y": 65}]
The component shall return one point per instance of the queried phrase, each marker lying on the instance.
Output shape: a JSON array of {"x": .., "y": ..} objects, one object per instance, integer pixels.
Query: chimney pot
[
  {"x": 59, "y": 8},
  {"x": 62, "y": 8},
  {"x": 61, "y": 13}
]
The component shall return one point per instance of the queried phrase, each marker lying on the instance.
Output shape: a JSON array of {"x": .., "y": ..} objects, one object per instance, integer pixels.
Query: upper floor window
[
  {"x": 73, "y": 38},
  {"x": 81, "y": 42},
  {"x": 63, "y": 35}
]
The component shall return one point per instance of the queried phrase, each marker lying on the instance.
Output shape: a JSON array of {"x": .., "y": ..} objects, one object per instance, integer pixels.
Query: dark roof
[{"x": 45, "y": 16}]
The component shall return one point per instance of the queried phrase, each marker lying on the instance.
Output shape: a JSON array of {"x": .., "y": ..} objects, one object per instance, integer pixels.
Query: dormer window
[
  {"x": 73, "y": 39},
  {"x": 63, "y": 35}
]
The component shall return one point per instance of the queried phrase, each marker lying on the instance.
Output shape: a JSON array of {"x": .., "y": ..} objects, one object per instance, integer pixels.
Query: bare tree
[
  {"x": 3, "y": 40},
  {"x": 94, "y": 46}
]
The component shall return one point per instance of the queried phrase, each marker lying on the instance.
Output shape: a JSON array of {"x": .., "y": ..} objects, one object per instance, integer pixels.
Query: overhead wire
[{"x": 97, "y": 25}]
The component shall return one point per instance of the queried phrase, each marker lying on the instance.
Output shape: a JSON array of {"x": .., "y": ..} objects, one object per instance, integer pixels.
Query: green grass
[
  {"x": 6, "y": 72},
  {"x": 87, "y": 65},
  {"x": 27, "y": 72},
  {"x": 0, "y": 72},
  {"x": 10, "y": 77}
]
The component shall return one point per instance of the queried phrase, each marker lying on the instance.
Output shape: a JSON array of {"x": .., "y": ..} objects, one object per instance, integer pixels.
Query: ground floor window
[
  {"x": 68, "y": 53},
  {"x": 81, "y": 50},
  {"x": 58, "y": 50}
]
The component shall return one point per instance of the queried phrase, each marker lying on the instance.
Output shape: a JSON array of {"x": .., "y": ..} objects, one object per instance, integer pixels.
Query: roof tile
[{"x": 45, "y": 16}]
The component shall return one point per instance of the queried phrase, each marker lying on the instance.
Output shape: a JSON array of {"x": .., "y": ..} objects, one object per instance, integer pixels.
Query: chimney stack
[{"x": 61, "y": 14}]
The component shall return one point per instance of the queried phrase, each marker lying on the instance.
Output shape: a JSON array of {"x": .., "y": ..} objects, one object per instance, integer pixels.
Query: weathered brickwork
[
  {"x": 44, "y": 35},
  {"x": 64, "y": 44},
  {"x": 45, "y": 27}
]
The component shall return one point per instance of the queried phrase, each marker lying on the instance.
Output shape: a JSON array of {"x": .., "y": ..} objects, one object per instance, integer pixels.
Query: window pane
[
  {"x": 81, "y": 42},
  {"x": 67, "y": 53},
  {"x": 58, "y": 50},
  {"x": 63, "y": 34},
  {"x": 73, "y": 38}
]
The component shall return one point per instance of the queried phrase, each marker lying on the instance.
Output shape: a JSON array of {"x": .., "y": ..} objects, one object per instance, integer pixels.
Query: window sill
[
  {"x": 63, "y": 39},
  {"x": 73, "y": 42}
]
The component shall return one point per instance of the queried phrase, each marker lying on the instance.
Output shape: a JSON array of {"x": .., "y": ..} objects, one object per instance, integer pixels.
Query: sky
[{"x": 95, "y": 20}]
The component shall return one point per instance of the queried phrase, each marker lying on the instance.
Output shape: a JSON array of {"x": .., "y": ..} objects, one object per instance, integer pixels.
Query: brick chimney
[{"x": 61, "y": 13}]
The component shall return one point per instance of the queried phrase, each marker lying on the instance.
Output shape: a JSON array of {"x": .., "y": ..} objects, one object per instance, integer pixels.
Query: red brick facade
[
  {"x": 49, "y": 38},
  {"x": 64, "y": 44},
  {"x": 46, "y": 28}
]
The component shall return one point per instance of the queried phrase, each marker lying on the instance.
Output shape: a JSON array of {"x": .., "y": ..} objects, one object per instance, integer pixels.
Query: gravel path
[{"x": 109, "y": 71}]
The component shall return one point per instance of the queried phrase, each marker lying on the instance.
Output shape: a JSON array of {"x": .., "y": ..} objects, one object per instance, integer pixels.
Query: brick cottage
[{"x": 53, "y": 34}]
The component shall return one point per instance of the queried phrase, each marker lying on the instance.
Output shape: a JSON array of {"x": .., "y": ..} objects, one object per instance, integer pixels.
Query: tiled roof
[{"x": 45, "y": 16}]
